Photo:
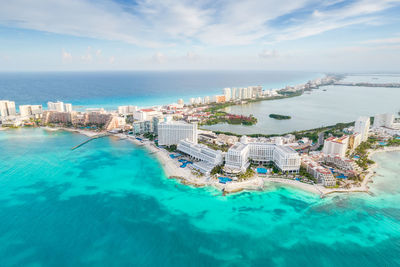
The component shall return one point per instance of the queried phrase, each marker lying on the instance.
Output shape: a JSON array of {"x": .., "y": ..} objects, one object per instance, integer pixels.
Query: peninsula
[{"x": 324, "y": 160}]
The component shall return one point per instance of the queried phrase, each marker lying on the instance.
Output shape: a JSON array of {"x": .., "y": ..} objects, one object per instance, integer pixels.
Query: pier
[{"x": 90, "y": 139}]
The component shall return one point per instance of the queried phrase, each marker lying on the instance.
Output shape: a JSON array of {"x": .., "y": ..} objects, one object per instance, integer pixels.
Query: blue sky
[{"x": 331, "y": 35}]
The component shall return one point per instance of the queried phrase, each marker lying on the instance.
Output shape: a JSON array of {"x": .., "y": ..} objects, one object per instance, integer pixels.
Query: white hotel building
[
  {"x": 7, "y": 108},
  {"x": 59, "y": 106},
  {"x": 384, "y": 120},
  {"x": 336, "y": 146},
  {"x": 238, "y": 156},
  {"x": 361, "y": 126},
  {"x": 227, "y": 94},
  {"x": 207, "y": 157},
  {"x": 171, "y": 132},
  {"x": 27, "y": 111}
]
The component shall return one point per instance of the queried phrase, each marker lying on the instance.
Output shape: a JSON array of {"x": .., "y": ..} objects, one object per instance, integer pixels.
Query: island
[{"x": 279, "y": 117}]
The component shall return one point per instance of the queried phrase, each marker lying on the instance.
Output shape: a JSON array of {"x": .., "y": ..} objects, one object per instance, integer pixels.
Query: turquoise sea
[{"x": 109, "y": 203}]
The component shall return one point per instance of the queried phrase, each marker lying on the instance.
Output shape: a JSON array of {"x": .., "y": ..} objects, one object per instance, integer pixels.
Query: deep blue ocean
[{"x": 110, "y": 89}]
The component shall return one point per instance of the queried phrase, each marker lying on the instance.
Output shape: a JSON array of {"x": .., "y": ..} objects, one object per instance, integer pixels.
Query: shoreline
[
  {"x": 185, "y": 176},
  {"x": 256, "y": 183}
]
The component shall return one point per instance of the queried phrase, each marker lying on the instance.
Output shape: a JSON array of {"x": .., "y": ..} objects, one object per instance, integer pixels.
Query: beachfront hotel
[
  {"x": 361, "y": 126},
  {"x": 336, "y": 146},
  {"x": 384, "y": 120},
  {"x": 207, "y": 158},
  {"x": 59, "y": 106},
  {"x": 227, "y": 94},
  {"x": 7, "y": 108},
  {"x": 323, "y": 175},
  {"x": 127, "y": 110},
  {"x": 238, "y": 157},
  {"x": 171, "y": 132},
  {"x": 27, "y": 111},
  {"x": 354, "y": 141}
]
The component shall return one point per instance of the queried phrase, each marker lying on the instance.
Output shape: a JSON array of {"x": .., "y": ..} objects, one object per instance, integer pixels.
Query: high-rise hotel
[{"x": 171, "y": 132}]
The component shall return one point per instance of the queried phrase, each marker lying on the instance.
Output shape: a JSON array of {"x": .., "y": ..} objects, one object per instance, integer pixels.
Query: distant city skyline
[{"x": 335, "y": 35}]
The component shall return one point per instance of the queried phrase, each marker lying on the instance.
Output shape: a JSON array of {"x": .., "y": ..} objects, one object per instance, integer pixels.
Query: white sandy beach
[{"x": 172, "y": 170}]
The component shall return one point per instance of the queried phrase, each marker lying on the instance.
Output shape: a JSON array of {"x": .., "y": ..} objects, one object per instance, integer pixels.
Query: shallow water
[{"x": 109, "y": 203}]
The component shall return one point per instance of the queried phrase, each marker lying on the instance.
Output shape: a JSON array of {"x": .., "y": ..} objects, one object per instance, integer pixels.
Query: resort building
[
  {"x": 286, "y": 159},
  {"x": 237, "y": 158},
  {"x": 28, "y": 111},
  {"x": 233, "y": 94},
  {"x": 126, "y": 110},
  {"x": 336, "y": 146},
  {"x": 207, "y": 158},
  {"x": 323, "y": 175},
  {"x": 59, "y": 106},
  {"x": 142, "y": 127},
  {"x": 146, "y": 114},
  {"x": 206, "y": 100},
  {"x": 227, "y": 94},
  {"x": 244, "y": 94},
  {"x": 219, "y": 98},
  {"x": 180, "y": 101},
  {"x": 341, "y": 163},
  {"x": 354, "y": 141},
  {"x": 361, "y": 126},
  {"x": 7, "y": 108},
  {"x": 56, "y": 117},
  {"x": 171, "y": 132},
  {"x": 384, "y": 120}
]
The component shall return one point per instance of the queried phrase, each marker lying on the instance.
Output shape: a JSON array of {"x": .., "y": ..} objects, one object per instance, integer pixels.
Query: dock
[{"x": 90, "y": 139}]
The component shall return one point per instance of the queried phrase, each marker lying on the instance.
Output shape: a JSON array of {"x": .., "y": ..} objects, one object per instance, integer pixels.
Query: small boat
[{"x": 324, "y": 90}]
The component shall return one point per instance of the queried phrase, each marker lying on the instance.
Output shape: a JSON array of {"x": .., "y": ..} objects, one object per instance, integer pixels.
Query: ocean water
[
  {"x": 109, "y": 203},
  {"x": 111, "y": 89},
  {"x": 322, "y": 107}
]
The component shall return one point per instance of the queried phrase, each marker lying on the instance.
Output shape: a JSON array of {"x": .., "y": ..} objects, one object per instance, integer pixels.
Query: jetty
[{"x": 91, "y": 139}]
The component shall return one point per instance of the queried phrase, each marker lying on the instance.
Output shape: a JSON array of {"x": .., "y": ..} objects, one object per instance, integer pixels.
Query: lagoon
[{"x": 321, "y": 107}]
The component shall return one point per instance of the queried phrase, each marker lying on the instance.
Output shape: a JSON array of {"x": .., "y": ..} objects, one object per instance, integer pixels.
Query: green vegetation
[
  {"x": 217, "y": 169},
  {"x": 279, "y": 117},
  {"x": 362, "y": 152},
  {"x": 303, "y": 172},
  {"x": 217, "y": 106},
  {"x": 223, "y": 117},
  {"x": 393, "y": 142},
  {"x": 311, "y": 134},
  {"x": 223, "y": 148},
  {"x": 149, "y": 136},
  {"x": 249, "y": 173},
  {"x": 171, "y": 148}
]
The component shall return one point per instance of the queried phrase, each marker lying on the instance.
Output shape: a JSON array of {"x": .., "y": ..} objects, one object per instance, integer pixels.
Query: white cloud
[
  {"x": 268, "y": 54},
  {"x": 166, "y": 23},
  {"x": 65, "y": 56},
  {"x": 112, "y": 59},
  {"x": 159, "y": 58},
  {"x": 395, "y": 40}
]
